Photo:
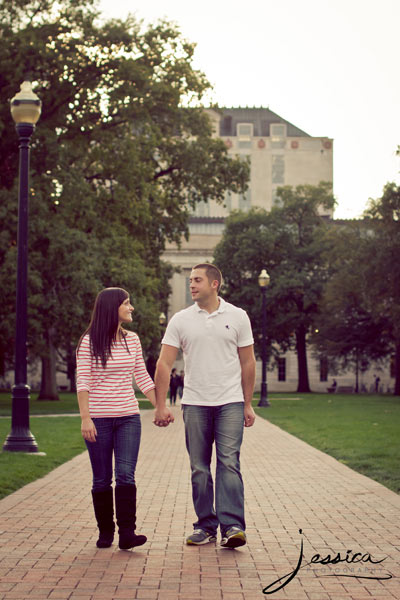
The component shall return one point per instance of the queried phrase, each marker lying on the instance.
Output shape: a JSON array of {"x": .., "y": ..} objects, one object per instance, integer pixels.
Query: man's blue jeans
[
  {"x": 119, "y": 436},
  {"x": 224, "y": 425}
]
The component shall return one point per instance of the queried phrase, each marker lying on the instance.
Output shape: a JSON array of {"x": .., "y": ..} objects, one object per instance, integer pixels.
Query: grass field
[
  {"x": 361, "y": 431},
  {"x": 59, "y": 437}
]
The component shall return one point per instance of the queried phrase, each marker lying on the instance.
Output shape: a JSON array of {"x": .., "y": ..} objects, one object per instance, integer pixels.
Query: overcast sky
[{"x": 330, "y": 67}]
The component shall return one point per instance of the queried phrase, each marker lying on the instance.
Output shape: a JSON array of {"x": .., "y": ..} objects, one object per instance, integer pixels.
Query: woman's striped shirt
[{"x": 111, "y": 392}]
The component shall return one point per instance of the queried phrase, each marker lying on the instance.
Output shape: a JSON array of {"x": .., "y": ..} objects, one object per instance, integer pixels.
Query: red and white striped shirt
[{"x": 111, "y": 392}]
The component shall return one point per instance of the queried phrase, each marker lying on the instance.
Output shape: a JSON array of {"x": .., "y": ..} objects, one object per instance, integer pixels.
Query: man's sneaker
[
  {"x": 233, "y": 538},
  {"x": 199, "y": 536}
]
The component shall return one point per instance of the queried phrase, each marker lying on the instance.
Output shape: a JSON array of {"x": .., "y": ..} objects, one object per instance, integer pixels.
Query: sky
[{"x": 330, "y": 67}]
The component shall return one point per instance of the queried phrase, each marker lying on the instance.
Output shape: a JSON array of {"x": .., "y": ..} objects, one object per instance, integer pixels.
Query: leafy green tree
[
  {"x": 383, "y": 273},
  {"x": 290, "y": 243},
  {"x": 360, "y": 311},
  {"x": 121, "y": 153},
  {"x": 348, "y": 333}
]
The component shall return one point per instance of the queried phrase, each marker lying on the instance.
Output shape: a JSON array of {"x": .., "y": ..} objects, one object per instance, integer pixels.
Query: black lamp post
[
  {"x": 25, "y": 111},
  {"x": 263, "y": 281}
]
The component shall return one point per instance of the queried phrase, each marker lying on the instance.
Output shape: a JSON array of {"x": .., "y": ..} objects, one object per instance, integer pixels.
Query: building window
[
  {"x": 245, "y": 200},
  {"x": 278, "y": 135},
  {"x": 323, "y": 369},
  {"x": 278, "y": 169},
  {"x": 281, "y": 369},
  {"x": 244, "y": 134},
  {"x": 202, "y": 209}
]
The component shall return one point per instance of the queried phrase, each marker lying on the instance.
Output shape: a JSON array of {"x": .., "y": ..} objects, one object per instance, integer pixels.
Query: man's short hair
[{"x": 212, "y": 273}]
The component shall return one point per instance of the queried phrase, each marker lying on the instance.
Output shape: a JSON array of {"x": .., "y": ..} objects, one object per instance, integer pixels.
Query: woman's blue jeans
[
  {"x": 119, "y": 436},
  {"x": 224, "y": 425}
]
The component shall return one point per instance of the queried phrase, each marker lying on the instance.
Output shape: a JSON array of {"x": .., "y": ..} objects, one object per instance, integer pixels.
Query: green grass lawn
[
  {"x": 59, "y": 437},
  {"x": 361, "y": 431}
]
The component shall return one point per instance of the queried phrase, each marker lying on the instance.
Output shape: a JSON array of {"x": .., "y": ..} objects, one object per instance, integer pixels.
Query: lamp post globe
[
  {"x": 25, "y": 111},
  {"x": 263, "y": 282}
]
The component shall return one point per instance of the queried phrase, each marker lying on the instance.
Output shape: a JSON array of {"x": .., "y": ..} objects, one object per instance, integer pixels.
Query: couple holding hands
[{"x": 217, "y": 343}]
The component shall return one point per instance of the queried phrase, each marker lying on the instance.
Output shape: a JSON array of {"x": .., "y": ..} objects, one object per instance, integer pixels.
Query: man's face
[{"x": 200, "y": 287}]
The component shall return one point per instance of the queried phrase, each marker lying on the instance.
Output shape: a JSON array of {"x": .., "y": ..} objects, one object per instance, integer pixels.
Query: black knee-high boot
[
  {"x": 125, "y": 509},
  {"x": 104, "y": 511}
]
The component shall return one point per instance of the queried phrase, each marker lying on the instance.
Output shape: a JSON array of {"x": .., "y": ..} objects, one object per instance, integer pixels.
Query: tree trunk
[
  {"x": 397, "y": 370},
  {"x": 71, "y": 369},
  {"x": 48, "y": 386},
  {"x": 301, "y": 349},
  {"x": 357, "y": 370}
]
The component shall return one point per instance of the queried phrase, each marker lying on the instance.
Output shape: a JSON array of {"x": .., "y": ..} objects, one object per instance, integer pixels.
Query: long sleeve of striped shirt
[{"x": 111, "y": 392}]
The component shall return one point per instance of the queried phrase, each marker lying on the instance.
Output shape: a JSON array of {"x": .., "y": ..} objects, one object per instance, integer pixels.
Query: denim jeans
[
  {"x": 119, "y": 436},
  {"x": 224, "y": 425}
]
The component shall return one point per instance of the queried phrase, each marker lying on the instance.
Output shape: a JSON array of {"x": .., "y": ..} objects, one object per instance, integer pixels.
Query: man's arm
[
  {"x": 163, "y": 415},
  {"x": 248, "y": 366}
]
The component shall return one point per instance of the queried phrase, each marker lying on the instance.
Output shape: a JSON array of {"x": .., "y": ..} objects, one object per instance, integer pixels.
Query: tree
[
  {"x": 360, "y": 310},
  {"x": 121, "y": 153},
  {"x": 347, "y": 332},
  {"x": 289, "y": 242},
  {"x": 383, "y": 273}
]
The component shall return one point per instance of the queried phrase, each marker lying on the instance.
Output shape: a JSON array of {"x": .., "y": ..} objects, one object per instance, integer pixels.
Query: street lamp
[
  {"x": 162, "y": 319},
  {"x": 25, "y": 111},
  {"x": 263, "y": 282}
]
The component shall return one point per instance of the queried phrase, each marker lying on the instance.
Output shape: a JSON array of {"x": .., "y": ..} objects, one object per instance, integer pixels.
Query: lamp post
[
  {"x": 263, "y": 282},
  {"x": 162, "y": 319},
  {"x": 25, "y": 111}
]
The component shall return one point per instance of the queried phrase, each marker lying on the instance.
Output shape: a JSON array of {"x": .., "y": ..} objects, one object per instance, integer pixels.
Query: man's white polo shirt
[{"x": 210, "y": 345}]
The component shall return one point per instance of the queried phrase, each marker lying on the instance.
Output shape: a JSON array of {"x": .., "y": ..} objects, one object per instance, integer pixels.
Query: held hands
[
  {"x": 163, "y": 417},
  {"x": 249, "y": 415},
  {"x": 88, "y": 430}
]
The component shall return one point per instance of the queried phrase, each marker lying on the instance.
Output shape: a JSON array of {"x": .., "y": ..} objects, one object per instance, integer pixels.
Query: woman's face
[{"x": 125, "y": 311}]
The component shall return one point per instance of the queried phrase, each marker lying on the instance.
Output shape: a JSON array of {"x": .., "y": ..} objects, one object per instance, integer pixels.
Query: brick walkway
[{"x": 47, "y": 530}]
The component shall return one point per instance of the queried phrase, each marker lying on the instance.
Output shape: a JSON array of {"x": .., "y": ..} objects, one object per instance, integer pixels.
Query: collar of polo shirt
[{"x": 220, "y": 309}]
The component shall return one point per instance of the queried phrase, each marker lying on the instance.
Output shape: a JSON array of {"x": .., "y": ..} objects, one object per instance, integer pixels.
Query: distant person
[
  {"x": 332, "y": 388},
  {"x": 108, "y": 357},
  {"x": 217, "y": 344},
  {"x": 181, "y": 384},
  {"x": 173, "y": 387},
  {"x": 377, "y": 381}
]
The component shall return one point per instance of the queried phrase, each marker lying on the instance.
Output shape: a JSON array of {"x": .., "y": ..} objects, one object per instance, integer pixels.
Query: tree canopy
[
  {"x": 360, "y": 311},
  {"x": 122, "y": 151}
]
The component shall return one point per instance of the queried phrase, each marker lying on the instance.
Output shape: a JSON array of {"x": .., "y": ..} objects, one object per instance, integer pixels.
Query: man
[{"x": 217, "y": 344}]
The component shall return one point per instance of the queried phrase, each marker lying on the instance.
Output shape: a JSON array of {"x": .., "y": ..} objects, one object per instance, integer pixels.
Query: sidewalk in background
[{"x": 48, "y": 533}]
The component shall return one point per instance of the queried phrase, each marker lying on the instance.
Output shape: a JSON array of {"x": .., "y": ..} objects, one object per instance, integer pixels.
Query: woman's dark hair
[{"x": 103, "y": 326}]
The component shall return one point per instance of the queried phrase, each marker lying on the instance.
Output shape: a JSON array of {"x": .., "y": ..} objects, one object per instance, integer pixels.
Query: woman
[{"x": 107, "y": 358}]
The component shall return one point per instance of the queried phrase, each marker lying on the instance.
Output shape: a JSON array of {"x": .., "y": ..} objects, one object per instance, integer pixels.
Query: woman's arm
[
  {"x": 83, "y": 378},
  {"x": 151, "y": 395},
  {"x": 88, "y": 428}
]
